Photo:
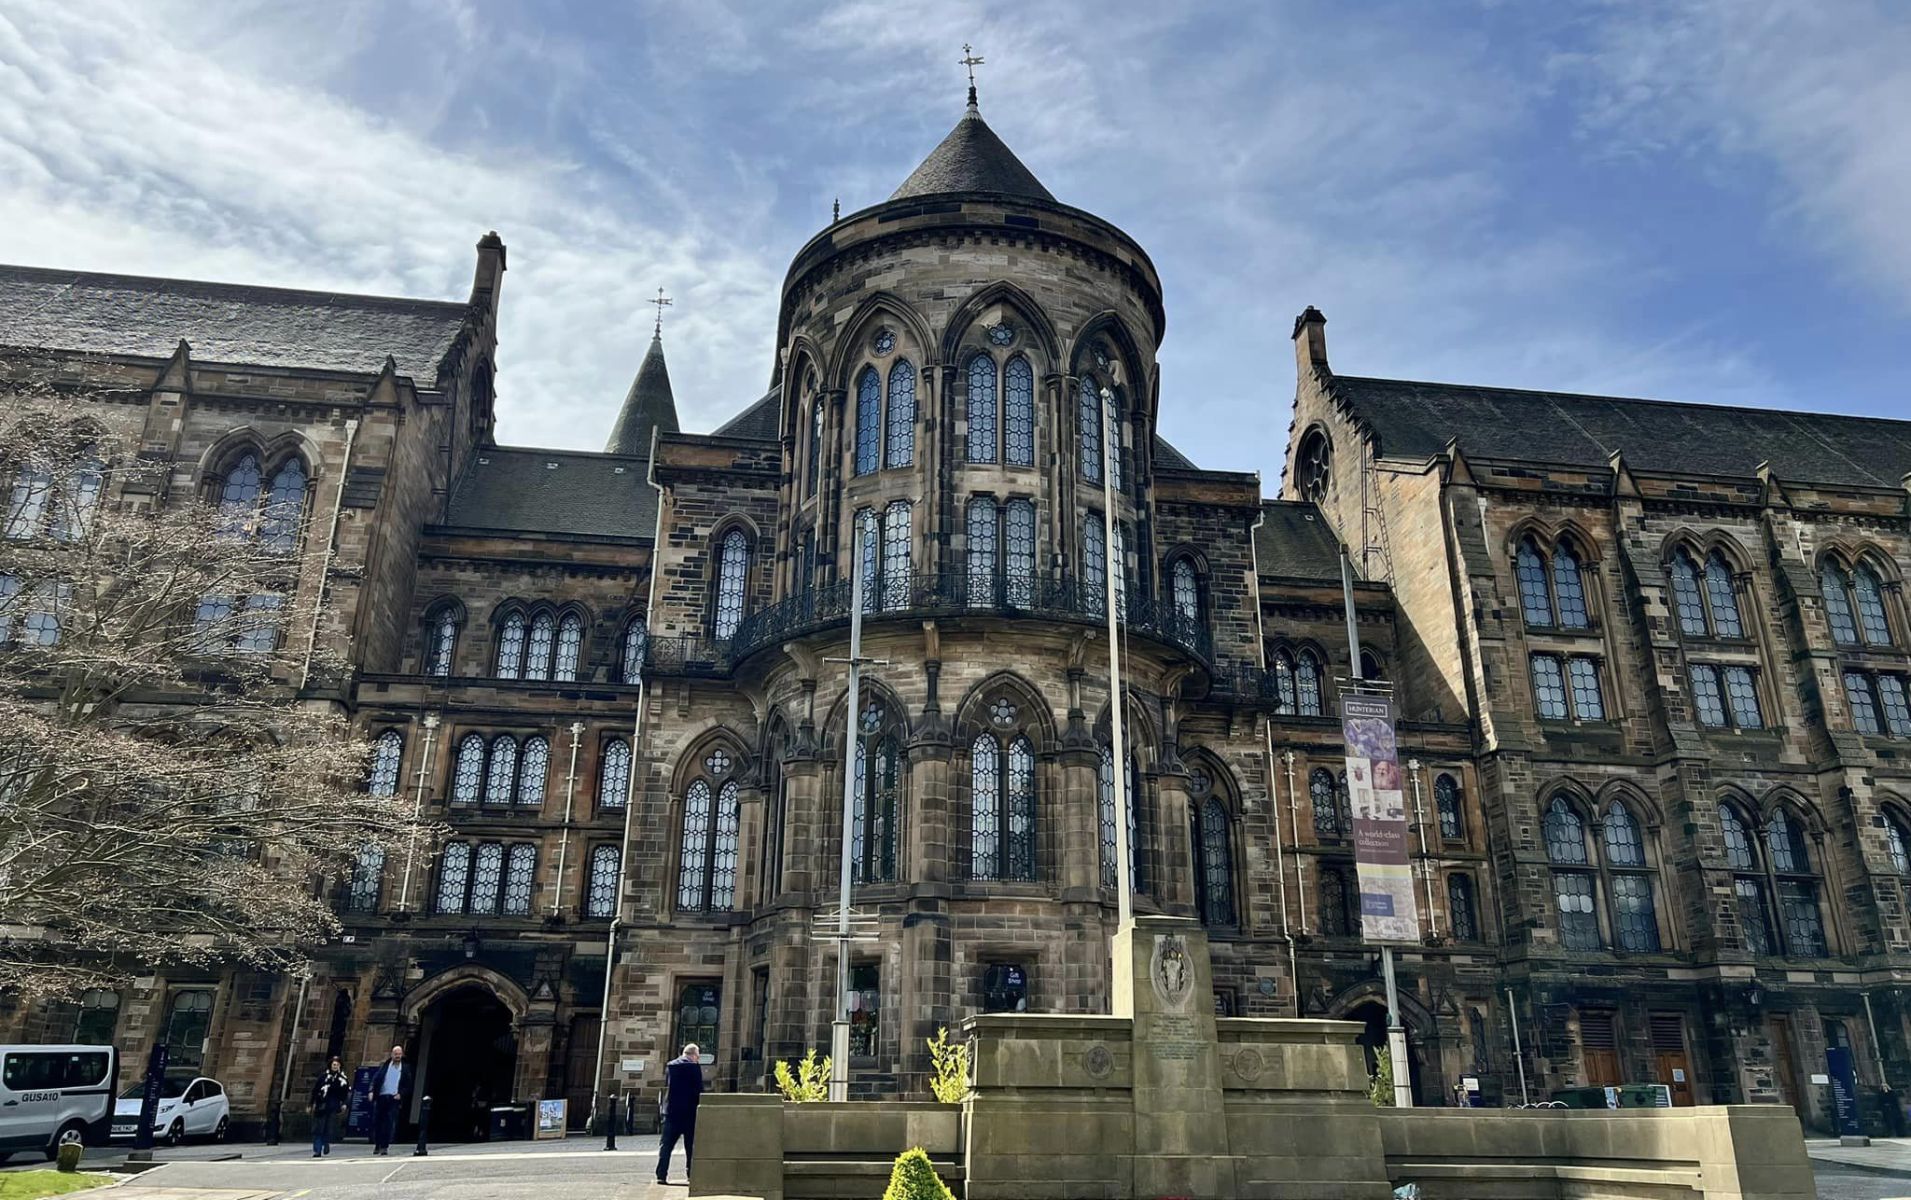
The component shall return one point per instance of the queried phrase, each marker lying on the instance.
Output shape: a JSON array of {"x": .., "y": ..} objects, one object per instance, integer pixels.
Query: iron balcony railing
[{"x": 951, "y": 593}]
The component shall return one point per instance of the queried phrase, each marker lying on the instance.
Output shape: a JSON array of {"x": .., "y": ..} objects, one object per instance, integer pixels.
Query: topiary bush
[{"x": 914, "y": 1178}]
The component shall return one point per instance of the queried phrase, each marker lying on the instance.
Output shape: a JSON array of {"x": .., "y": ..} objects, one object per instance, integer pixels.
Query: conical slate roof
[
  {"x": 647, "y": 406},
  {"x": 972, "y": 159}
]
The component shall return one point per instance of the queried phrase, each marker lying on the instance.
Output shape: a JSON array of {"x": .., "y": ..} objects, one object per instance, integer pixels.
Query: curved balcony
[{"x": 945, "y": 594}]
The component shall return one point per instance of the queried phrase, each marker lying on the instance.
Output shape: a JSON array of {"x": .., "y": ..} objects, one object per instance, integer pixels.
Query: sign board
[
  {"x": 1388, "y": 911},
  {"x": 1844, "y": 1090},
  {"x": 149, "y": 1098},
  {"x": 633, "y": 1066},
  {"x": 358, "y": 1110},
  {"x": 553, "y": 1119},
  {"x": 1821, "y": 1079}
]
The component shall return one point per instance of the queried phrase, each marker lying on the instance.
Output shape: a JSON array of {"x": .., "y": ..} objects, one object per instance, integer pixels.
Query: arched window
[
  {"x": 387, "y": 749},
  {"x": 1337, "y": 898},
  {"x": 284, "y": 507},
  {"x": 1019, "y": 413},
  {"x": 868, "y": 421},
  {"x": 1536, "y": 600},
  {"x": 1116, "y": 442},
  {"x": 1844, "y": 629},
  {"x": 511, "y": 647},
  {"x": 570, "y": 640},
  {"x": 1573, "y": 883},
  {"x": 900, "y": 443},
  {"x": 600, "y": 898},
  {"x": 39, "y": 504},
  {"x": 537, "y": 656},
  {"x": 636, "y": 645},
  {"x": 239, "y": 494},
  {"x": 985, "y": 806},
  {"x": 1187, "y": 596},
  {"x": 534, "y": 768},
  {"x": 1869, "y": 594},
  {"x": 1748, "y": 880},
  {"x": 1462, "y": 915},
  {"x": 733, "y": 564},
  {"x": 1284, "y": 698},
  {"x": 873, "y": 833},
  {"x": 1897, "y": 843},
  {"x": 1796, "y": 885},
  {"x": 1569, "y": 589},
  {"x": 467, "y": 775},
  {"x": 1635, "y": 919},
  {"x": 1722, "y": 596},
  {"x": 1686, "y": 599},
  {"x": 813, "y": 476},
  {"x": 1325, "y": 798},
  {"x": 613, "y": 775},
  {"x": 1713, "y": 611},
  {"x": 454, "y": 877},
  {"x": 1307, "y": 683},
  {"x": 1001, "y": 806},
  {"x": 1446, "y": 801},
  {"x": 982, "y": 550},
  {"x": 1088, "y": 427},
  {"x": 982, "y": 409},
  {"x": 487, "y": 878},
  {"x": 520, "y": 870},
  {"x": 707, "y": 867},
  {"x": 1106, "y": 793},
  {"x": 501, "y": 778},
  {"x": 442, "y": 629},
  {"x": 897, "y": 584},
  {"x": 368, "y": 870},
  {"x": 1019, "y": 561},
  {"x": 1213, "y": 856},
  {"x": 1094, "y": 562}
]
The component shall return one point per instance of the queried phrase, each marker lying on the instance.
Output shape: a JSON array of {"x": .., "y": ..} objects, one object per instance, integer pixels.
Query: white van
[{"x": 55, "y": 1094}]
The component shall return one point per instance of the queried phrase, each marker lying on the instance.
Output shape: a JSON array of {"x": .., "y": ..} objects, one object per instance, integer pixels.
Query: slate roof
[
  {"x": 759, "y": 422},
  {"x": 648, "y": 405},
  {"x": 556, "y": 491},
  {"x": 1168, "y": 457},
  {"x": 972, "y": 159},
  {"x": 1415, "y": 420},
  {"x": 225, "y": 322},
  {"x": 1294, "y": 541}
]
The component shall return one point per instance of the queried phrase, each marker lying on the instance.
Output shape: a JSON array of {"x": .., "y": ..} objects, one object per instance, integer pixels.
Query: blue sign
[
  {"x": 1844, "y": 1089},
  {"x": 149, "y": 1100},
  {"x": 358, "y": 1116}
]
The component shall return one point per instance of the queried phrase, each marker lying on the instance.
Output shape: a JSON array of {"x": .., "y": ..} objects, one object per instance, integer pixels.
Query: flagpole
[
  {"x": 839, "y": 1029},
  {"x": 1111, "y": 570}
]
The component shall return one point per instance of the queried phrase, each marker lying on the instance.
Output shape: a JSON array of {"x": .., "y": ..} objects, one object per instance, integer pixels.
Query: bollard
[
  {"x": 610, "y": 1125},
  {"x": 424, "y": 1123}
]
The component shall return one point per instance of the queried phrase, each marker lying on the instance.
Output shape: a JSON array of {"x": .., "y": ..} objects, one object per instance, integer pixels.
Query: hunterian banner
[{"x": 1388, "y": 912}]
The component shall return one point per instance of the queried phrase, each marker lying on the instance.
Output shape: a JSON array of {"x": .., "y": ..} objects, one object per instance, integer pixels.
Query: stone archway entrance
[
  {"x": 468, "y": 1054},
  {"x": 1372, "y": 1014}
]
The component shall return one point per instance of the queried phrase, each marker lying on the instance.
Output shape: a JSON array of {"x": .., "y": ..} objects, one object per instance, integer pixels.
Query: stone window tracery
[
  {"x": 707, "y": 863},
  {"x": 732, "y": 569},
  {"x": 613, "y": 774},
  {"x": 981, "y": 409},
  {"x": 900, "y": 420},
  {"x": 1106, "y": 779}
]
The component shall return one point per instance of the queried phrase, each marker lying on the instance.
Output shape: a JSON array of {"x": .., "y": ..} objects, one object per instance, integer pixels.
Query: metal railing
[{"x": 947, "y": 593}]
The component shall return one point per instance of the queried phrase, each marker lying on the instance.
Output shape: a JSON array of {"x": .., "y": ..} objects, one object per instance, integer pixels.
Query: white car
[{"x": 187, "y": 1108}]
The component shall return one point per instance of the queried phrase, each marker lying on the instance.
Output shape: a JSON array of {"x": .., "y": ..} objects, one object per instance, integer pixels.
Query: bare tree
[{"x": 169, "y": 791}]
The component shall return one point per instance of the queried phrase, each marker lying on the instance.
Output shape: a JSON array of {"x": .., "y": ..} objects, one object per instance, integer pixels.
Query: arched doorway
[
  {"x": 468, "y": 1054},
  {"x": 1372, "y": 1015}
]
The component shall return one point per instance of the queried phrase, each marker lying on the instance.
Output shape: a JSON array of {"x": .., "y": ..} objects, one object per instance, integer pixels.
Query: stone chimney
[
  {"x": 490, "y": 274},
  {"x": 1310, "y": 342}
]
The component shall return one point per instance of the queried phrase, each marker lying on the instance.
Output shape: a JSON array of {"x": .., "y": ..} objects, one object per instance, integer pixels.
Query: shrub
[
  {"x": 807, "y": 1084},
  {"x": 914, "y": 1178},
  {"x": 1380, "y": 1088},
  {"x": 949, "y": 1081}
]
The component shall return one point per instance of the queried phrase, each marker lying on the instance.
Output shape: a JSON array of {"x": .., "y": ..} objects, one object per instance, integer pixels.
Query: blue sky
[{"x": 1700, "y": 201}]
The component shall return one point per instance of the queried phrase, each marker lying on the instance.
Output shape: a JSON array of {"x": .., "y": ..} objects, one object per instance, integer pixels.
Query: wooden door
[
  {"x": 580, "y": 1060},
  {"x": 1670, "y": 1064},
  {"x": 1784, "y": 1064},
  {"x": 1599, "y": 1046}
]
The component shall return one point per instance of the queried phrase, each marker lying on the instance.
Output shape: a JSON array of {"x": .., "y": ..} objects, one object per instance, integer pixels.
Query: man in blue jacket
[{"x": 683, "y": 1087}]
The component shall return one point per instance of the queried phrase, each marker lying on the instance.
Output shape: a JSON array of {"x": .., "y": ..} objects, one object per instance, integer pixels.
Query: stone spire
[{"x": 648, "y": 405}]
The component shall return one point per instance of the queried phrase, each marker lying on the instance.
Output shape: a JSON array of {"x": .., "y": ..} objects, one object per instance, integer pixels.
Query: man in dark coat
[
  {"x": 391, "y": 1088},
  {"x": 683, "y": 1087}
]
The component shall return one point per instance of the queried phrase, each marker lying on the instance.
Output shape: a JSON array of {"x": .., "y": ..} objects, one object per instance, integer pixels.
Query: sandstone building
[{"x": 1650, "y": 661}]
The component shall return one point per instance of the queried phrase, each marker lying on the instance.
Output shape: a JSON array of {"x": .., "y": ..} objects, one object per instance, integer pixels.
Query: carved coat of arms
[{"x": 1171, "y": 971}]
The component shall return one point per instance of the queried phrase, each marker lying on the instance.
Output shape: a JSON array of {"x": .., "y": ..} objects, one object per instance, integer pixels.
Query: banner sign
[{"x": 1388, "y": 912}]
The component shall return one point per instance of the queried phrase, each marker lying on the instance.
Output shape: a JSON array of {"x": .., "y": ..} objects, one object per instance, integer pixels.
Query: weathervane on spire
[
  {"x": 971, "y": 60},
  {"x": 662, "y": 302}
]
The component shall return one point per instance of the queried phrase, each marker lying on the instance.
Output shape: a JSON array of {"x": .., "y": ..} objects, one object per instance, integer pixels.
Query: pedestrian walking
[
  {"x": 329, "y": 1095},
  {"x": 391, "y": 1088},
  {"x": 683, "y": 1087}
]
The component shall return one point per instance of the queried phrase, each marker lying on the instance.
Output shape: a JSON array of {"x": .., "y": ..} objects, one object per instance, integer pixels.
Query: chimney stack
[
  {"x": 484, "y": 285},
  {"x": 1310, "y": 342}
]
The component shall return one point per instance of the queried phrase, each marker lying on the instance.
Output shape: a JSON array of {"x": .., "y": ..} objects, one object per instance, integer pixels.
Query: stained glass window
[
  {"x": 723, "y": 858},
  {"x": 520, "y": 870},
  {"x": 1684, "y": 574},
  {"x": 691, "y": 891},
  {"x": 454, "y": 876},
  {"x": 1723, "y": 594},
  {"x": 487, "y": 878},
  {"x": 896, "y": 539},
  {"x": 1187, "y": 600},
  {"x": 1284, "y": 698},
  {"x": 814, "y": 475},
  {"x": 1307, "y": 684},
  {"x": 1786, "y": 843},
  {"x": 873, "y": 834},
  {"x": 511, "y": 647},
  {"x": 1741, "y": 693},
  {"x": 1549, "y": 687},
  {"x": 636, "y": 645},
  {"x": 1635, "y": 919},
  {"x": 1864, "y": 706},
  {"x": 1708, "y": 701},
  {"x": 985, "y": 807},
  {"x": 613, "y": 775},
  {"x": 1844, "y": 630},
  {"x": 1589, "y": 704},
  {"x": 982, "y": 551},
  {"x": 1335, "y": 920},
  {"x": 368, "y": 867},
  {"x": 537, "y": 659},
  {"x": 1578, "y": 923},
  {"x": 570, "y": 638},
  {"x": 732, "y": 566},
  {"x": 1739, "y": 854},
  {"x": 1321, "y": 792},
  {"x": 601, "y": 898},
  {"x": 534, "y": 767},
  {"x": 284, "y": 505},
  {"x": 1569, "y": 588},
  {"x": 1536, "y": 603},
  {"x": 1462, "y": 917},
  {"x": 1754, "y": 919},
  {"x": 1001, "y": 334},
  {"x": 444, "y": 643},
  {"x": 1088, "y": 428},
  {"x": 981, "y": 409},
  {"x": 1897, "y": 713},
  {"x": 1565, "y": 833},
  {"x": 501, "y": 779},
  {"x": 1870, "y": 596},
  {"x": 885, "y": 341},
  {"x": 1021, "y": 810},
  {"x": 1215, "y": 870},
  {"x": 1021, "y": 553},
  {"x": 387, "y": 749},
  {"x": 1624, "y": 848},
  {"x": 868, "y": 421},
  {"x": 1094, "y": 563},
  {"x": 1446, "y": 800},
  {"x": 239, "y": 496},
  {"x": 467, "y": 777},
  {"x": 1019, "y": 413},
  {"x": 1896, "y": 844},
  {"x": 899, "y": 449}
]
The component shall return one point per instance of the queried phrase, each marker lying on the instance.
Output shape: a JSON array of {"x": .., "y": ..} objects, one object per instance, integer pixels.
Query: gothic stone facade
[{"x": 1648, "y": 661}]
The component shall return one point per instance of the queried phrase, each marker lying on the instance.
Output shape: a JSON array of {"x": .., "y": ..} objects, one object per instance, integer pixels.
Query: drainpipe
[
  {"x": 1426, "y": 864},
  {"x": 1280, "y": 863},
  {"x": 1519, "y": 1059},
  {"x": 570, "y": 794},
  {"x": 1877, "y": 1051},
  {"x": 1300, "y": 863},
  {"x": 617, "y": 914},
  {"x": 291, "y": 1046},
  {"x": 331, "y": 549},
  {"x": 417, "y": 810}
]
